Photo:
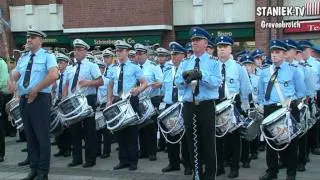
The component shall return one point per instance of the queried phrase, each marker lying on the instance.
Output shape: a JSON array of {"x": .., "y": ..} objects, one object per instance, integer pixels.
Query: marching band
[{"x": 215, "y": 111}]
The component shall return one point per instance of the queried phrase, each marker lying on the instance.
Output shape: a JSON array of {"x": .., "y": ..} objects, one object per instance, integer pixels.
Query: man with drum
[
  {"x": 108, "y": 61},
  {"x": 85, "y": 80},
  {"x": 103, "y": 133},
  {"x": 154, "y": 77},
  {"x": 198, "y": 78},
  {"x": 172, "y": 96},
  {"x": 35, "y": 72},
  {"x": 63, "y": 140},
  {"x": 309, "y": 78},
  {"x": 291, "y": 86},
  {"x": 307, "y": 51},
  {"x": 123, "y": 80},
  {"x": 162, "y": 57},
  {"x": 235, "y": 83}
]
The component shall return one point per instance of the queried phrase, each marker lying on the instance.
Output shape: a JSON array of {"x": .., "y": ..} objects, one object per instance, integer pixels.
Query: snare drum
[
  {"x": 280, "y": 127},
  {"x": 170, "y": 121},
  {"x": 74, "y": 109},
  {"x": 146, "y": 109},
  {"x": 56, "y": 125},
  {"x": 228, "y": 118},
  {"x": 250, "y": 126},
  {"x": 15, "y": 116},
  {"x": 120, "y": 115}
]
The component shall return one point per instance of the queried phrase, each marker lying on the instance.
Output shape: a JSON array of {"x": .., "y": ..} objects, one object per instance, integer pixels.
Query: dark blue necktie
[
  {"x": 197, "y": 67},
  {"x": 60, "y": 86},
  {"x": 120, "y": 81},
  {"x": 76, "y": 76},
  {"x": 270, "y": 83},
  {"x": 26, "y": 80}
]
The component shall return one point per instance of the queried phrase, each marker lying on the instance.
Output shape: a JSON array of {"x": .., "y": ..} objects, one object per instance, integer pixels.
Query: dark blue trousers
[
  {"x": 85, "y": 129},
  {"x": 35, "y": 117}
]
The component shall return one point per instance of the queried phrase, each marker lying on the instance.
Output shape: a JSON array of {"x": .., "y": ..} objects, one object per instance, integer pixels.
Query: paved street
[{"x": 146, "y": 170}]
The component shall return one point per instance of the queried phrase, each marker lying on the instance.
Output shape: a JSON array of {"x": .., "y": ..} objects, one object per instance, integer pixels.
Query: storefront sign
[
  {"x": 235, "y": 33},
  {"x": 51, "y": 39},
  {"x": 305, "y": 26},
  {"x": 146, "y": 40}
]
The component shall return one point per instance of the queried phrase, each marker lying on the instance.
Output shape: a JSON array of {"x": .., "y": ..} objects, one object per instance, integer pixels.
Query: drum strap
[{"x": 278, "y": 89}]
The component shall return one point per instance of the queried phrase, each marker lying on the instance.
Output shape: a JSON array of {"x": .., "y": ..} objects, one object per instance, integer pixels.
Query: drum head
[
  {"x": 274, "y": 116},
  {"x": 68, "y": 105}
]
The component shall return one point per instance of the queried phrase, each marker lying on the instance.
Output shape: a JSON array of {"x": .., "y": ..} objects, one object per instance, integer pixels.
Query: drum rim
[{"x": 264, "y": 122}]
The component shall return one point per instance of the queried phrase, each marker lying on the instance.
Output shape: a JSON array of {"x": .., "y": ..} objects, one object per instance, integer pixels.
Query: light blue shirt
[
  {"x": 291, "y": 83},
  {"x": 88, "y": 71},
  {"x": 42, "y": 62},
  {"x": 131, "y": 74},
  {"x": 209, "y": 84},
  {"x": 152, "y": 73},
  {"x": 103, "y": 91},
  {"x": 169, "y": 73},
  {"x": 162, "y": 91},
  {"x": 309, "y": 79},
  {"x": 254, "y": 81},
  {"x": 316, "y": 68},
  {"x": 109, "y": 70},
  {"x": 237, "y": 80},
  {"x": 68, "y": 72}
]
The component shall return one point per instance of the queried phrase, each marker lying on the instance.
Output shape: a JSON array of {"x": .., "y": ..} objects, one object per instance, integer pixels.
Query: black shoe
[
  {"x": 104, "y": 156},
  {"x": 226, "y": 164},
  {"x": 246, "y": 165},
  {"x": 315, "y": 151},
  {"x": 121, "y": 166},
  {"x": 89, "y": 164},
  {"x": 98, "y": 154},
  {"x": 66, "y": 154},
  {"x": 152, "y": 157},
  {"x": 60, "y": 153},
  {"x": 254, "y": 156},
  {"x": 170, "y": 168},
  {"x": 301, "y": 168},
  {"x": 220, "y": 172},
  {"x": 24, "y": 150},
  {"x": 31, "y": 175},
  {"x": 41, "y": 177},
  {"x": 54, "y": 143},
  {"x": 141, "y": 156},
  {"x": 187, "y": 171},
  {"x": 291, "y": 178},
  {"x": 1, "y": 159},
  {"x": 233, "y": 174},
  {"x": 268, "y": 176},
  {"x": 12, "y": 134},
  {"x": 24, "y": 163},
  {"x": 161, "y": 149},
  {"x": 73, "y": 164},
  {"x": 133, "y": 167}
]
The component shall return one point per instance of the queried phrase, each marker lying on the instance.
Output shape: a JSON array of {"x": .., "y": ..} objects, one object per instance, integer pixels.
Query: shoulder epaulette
[
  {"x": 214, "y": 57},
  {"x": 114, "y": 65},
  {"x": 166, "y": 68},
  {"x": 265, "y": 67},
  {"x": 48, "y": 52},
  {"x": 23, "y": 54}
]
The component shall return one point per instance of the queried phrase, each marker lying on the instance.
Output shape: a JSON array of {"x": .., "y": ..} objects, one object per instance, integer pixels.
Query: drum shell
[{"x": 172, "y": 120}]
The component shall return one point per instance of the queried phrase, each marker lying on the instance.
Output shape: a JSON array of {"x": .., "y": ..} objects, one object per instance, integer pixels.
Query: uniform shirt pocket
[{"x": 39, "y": 65}]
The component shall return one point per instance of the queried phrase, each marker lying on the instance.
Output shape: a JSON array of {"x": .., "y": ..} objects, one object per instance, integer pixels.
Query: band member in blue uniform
[
  {"x": 86, "y": 78},
  {"x": 172, "y": 96},
  {"x": 235, "y": 82},
  {"x": 123, "y": 80},
  {"x": 198, "y": 103},
  {"x": 35, "y": 72},
  {"x": 292, "y": 86}
]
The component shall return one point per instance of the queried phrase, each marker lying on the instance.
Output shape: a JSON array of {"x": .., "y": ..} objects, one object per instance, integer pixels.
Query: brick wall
[
  {"x": 111, "y": 13},
  {"x": 4, "y": 5}
]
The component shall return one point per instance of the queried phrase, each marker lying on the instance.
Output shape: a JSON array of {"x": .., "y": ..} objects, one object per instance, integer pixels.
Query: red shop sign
[{"x": 305, "y": 26}]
